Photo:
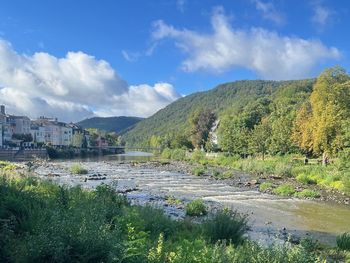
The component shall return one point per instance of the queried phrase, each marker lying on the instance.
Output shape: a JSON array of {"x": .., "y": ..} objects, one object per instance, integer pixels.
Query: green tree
[
  {"x": 260, "y": 138},
  {"x": 201, "y": 122},
  {"x": 233, "y": 135}
]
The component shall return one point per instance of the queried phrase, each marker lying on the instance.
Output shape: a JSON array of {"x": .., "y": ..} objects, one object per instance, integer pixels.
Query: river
[{"x": 270, "y": 217}]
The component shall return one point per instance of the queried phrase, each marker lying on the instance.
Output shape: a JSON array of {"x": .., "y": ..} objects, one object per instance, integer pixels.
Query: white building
[
  {"x": 38, "y": 133},
  {"x": 66, "y": 134},
  {"x": 19, "y": 124},
  {"x": 1, "y": 143}
]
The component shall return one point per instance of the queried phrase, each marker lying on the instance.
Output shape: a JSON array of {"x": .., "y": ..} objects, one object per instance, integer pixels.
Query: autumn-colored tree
[{"x": 320, "y": 126}]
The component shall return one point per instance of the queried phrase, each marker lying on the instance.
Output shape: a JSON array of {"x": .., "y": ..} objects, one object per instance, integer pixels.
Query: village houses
[{"x": 21, "y": 131}]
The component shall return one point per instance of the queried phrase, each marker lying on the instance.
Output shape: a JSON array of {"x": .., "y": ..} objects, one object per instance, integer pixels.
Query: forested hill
[
  {"x": 110, "y": 124},
  {"x": 233, "y": 97}
]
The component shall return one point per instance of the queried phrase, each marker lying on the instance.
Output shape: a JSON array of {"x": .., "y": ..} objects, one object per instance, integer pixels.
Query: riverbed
[{"x": 271, "y": 218}]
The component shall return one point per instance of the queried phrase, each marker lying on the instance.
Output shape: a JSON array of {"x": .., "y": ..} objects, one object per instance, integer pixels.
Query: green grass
[
  {"x": 266, "y": 186},
  {"x": 196, "y": 208},
  {"x": 77, "y": 169},
  {"x": 198, "y": 171},
  {"x": 305, "y": 179},
  {"x": 44, "y": 222},
  {"x": 227, "y": 226},
  {"x": 284, "y": 190},
  {"x": 343, "y": 241},
  {"x": 307, "y": 193}
]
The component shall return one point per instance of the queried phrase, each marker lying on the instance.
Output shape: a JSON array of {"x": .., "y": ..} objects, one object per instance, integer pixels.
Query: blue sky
[{"x": 182, "y": 46}]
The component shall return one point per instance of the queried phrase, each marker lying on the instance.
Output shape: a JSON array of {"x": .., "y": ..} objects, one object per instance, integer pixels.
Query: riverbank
[
  {"x": 272, "y": 218},
  {"x": 246, "y": 180},
  {"x": 46, "y": 222}
]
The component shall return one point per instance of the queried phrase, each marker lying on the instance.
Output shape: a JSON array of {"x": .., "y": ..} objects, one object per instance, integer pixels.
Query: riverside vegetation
[
  {"x": 263, "y": 127},
  {"x": 44, "y": 222}
]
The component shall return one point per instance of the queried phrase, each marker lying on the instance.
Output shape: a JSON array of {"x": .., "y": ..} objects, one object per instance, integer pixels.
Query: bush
[
  {"x": 166, "y": 153},
  {"x": 265, "y": 186},
  {"x": 178, "y": 154},
  {"x": 284, "y": 190},
  {"x": 283, "y": 169},
  {"x": 198, "y": 171},
  {"x": 78, "y": 169},
  {"x": 226, "y": 225},
  {"x": 307, "y": 193},
  {"x": 305, "y": 179},
  {"x": 343, "y": 241},
  {"x": 196, "y": 208}
]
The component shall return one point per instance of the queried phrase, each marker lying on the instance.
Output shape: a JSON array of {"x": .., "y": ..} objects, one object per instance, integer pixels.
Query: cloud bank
[
  {"x": 73, "y": 87},
  {"x": 267, "y": 53}
]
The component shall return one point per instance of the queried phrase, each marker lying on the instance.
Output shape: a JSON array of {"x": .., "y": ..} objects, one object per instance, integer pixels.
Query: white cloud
[
  {"x": 322, "y": 15},
  {"x": 73, "y": 87},
  {"x": 269, "y": 12},
  {"x": 267, "y": 53}
]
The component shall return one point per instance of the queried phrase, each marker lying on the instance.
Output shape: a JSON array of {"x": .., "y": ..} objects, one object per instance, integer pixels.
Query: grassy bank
[
  {"x": 44, "y": 222},
  {"x": 333, "y": 176}
]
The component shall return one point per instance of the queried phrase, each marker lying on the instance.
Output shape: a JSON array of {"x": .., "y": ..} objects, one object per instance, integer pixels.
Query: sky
[{"x": 84, "y": 58}]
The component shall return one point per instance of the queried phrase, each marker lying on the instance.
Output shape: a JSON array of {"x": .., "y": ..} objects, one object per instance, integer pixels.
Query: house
[
  {"x": 38, "y": 133},
  {"x": 1, "y": 142},
  {"x": 66, "y": 134},
  {"x": 19, "y": 124}
]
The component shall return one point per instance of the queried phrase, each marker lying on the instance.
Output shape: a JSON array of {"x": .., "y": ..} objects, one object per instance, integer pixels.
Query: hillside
[
  {"x": 232, "y": 96},
  {"x": 111, "y": 124}
]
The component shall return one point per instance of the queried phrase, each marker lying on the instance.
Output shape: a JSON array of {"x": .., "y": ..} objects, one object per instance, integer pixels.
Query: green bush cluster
[
  {"x": 284, "y": 190},
  {"x": 198, "y": 171},
  {"x": 196, "y": 208},
  {"x": 78, "y": 169},
  {"x": 307, "y": 193},
  {"x": 266, "y": 186},
  {"x": 343, "y": 241},
  {"x": 44, "y": 222}
]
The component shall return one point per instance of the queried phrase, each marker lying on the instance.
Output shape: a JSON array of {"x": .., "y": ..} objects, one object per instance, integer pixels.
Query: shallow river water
[{"x": 269, "y": 215}]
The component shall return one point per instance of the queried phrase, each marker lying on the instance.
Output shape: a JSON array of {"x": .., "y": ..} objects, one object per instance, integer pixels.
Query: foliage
[
  {"x": 23, "y": 137},
  {"x": 201, "y": 122},
  {"x": 196, "y": 208},
  {"x": 78, "y": 169},
  {"x": 110, "y": 124},
  {"x": 305, "y": 179},
  {"x": 307, "y": 193},
  {"x": 230, "y": 97},
  {"x": 266, "y": 186},
  {"x": 226, "y": 225},
  {"x": 284, "y": 190},
  {"x": 198, "y": 171},
  {"x": 343, "y": 241},
  {"x": 44, "y": 222},
  {"x": 7, "y": 166}
]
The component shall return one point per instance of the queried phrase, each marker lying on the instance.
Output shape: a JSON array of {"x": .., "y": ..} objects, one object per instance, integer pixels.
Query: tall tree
[
  {"x": 261, "y": 138},
  {"x": 329, "y": 107},
  {"x": 201, "y": 122}
]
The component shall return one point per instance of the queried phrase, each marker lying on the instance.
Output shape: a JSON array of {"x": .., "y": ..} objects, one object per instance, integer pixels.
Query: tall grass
[{"x": 44, "y": 222}]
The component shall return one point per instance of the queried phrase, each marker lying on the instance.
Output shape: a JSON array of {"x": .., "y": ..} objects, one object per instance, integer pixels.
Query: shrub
[
  {"x": 166, "y": 153},
  {"x": 307, "y": 193},
  {"x": 196, "y": 208},
  {"x": 343, "y": 241},
  {"x": 78, "y": 169},
  {"x": 7, "y": 166},
  {"x": 305, "y": 179},
  {"x": 226, "y": 225},
  {"x": 178, "y": 154},
  {"x": 265, "y": 186},
  {"x": 198, "y": 171},
  {"x": 283, "y": 169},
  {"x": 284, "y": 190}
]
